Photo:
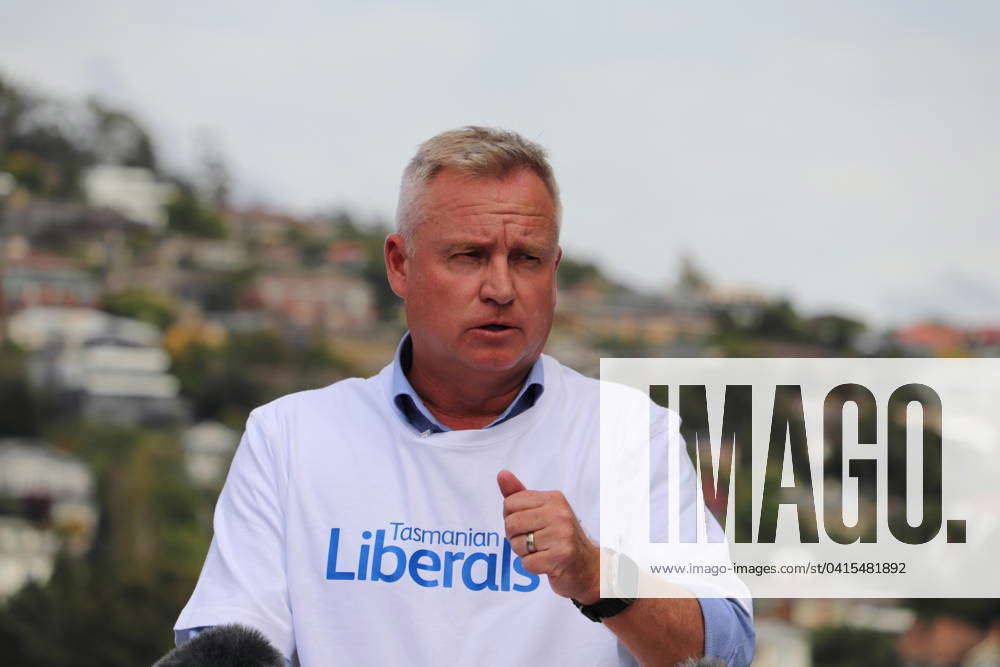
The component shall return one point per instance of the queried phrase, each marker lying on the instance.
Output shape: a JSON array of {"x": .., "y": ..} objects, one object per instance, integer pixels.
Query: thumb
[{"x": 508, "y": 483}]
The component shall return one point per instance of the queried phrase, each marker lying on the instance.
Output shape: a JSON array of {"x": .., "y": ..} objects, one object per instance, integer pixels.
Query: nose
[{"x": 498, "y": 286}]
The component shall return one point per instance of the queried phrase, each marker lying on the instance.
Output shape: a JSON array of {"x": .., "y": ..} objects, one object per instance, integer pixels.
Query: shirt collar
[{"x": 413, "y": 411}]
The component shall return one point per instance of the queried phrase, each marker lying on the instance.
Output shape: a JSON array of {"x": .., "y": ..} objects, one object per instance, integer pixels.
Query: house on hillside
[
  {"x": 192, "y": 252},
  {"x": 208, "y": 449},
  {"x": 985, "y": 341},
  {"x": 325, "y": 300},
  {"x": 930, "y": 339},
  {"x": 647, "y": 322},
  {"x": 45, "y": 221},
  {"x": 133, "y": 192},
  {"x": 111, "y": 379},
  {"x": 46, "y": 503},
  {"x": 258, "y": 225},
  {"x": 43, "y": 326},
  {"x": 99, "y": 365},
  {"x": 350, "y": 255},
  {"x": 41, "y": 279}
]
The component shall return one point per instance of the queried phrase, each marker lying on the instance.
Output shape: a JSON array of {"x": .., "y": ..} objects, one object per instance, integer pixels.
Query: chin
[{"x": 495, "y": 360}]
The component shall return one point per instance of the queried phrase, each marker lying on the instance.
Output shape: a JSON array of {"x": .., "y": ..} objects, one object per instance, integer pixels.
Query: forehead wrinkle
[
  {"x": 509, "y": 231},
  {"x": 462, "y": 208},
  {"x": 498, "y": 199},
  {"x": 458, "y": 217},
  {"x": 532, "y": 237},
  {"x": 485, "y": 224}
]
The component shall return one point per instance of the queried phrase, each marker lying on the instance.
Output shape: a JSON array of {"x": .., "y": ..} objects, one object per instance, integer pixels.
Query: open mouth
[{"x": 495, "y": 327}]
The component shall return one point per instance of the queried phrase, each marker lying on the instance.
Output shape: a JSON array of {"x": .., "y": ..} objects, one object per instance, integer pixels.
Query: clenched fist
[{"x": 562, "y": 551}]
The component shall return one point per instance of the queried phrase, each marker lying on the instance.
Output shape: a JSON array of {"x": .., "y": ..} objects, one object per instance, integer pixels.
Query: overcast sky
[{"x": 846, "y": 154}]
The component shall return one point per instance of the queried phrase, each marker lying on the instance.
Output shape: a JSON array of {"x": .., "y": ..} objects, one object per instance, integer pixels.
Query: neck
[{"x": 460, "y": 399}]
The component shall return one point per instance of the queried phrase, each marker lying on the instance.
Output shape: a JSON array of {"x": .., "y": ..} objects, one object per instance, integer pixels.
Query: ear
[
  {"x": 555, "y": 283},
  {"x": 396, "y": 263}
]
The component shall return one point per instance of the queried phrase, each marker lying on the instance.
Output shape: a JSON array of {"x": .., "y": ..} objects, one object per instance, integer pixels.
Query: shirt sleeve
[
  {"x": 729, "y": 631},
  {"x": 243, "y": 579}
]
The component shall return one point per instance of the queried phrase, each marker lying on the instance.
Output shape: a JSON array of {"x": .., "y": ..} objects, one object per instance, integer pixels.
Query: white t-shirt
[{"x": 343, "y": 534}]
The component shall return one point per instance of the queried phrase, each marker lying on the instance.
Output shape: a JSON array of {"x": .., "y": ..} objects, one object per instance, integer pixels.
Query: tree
[
  {"x": 835, "y": 331},
  {"x": 14, "y": 107},
  {"x": 187, "y": 215},
  {"x": 214, "y": 177},
  {"x": 156, "y": 308},
  {"x": 692, "y": 279},
  {"x": 225, "y": 383},
  {"x": 118, "y": 138},
  {"x": 21, "y": 408},
  {"x": 853, "y": 647},
  {"x": 116, "y": 606},
  {"x": 981, "y": 612},
  {"x": 778, "y": 320},
  {"x": 574, "y": 272}
]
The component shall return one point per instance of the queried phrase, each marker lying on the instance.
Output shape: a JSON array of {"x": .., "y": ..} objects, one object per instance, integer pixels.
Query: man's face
[{"x": 478, "y": 279}]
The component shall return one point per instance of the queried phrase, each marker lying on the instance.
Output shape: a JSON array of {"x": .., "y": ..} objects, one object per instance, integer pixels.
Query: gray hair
[{"x": 472, "y": 150}]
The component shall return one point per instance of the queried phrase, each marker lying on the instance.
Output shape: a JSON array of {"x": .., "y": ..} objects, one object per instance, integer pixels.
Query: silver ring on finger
[{"x": 530, "y": 538}]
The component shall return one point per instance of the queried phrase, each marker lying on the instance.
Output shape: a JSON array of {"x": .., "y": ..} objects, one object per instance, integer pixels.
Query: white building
[
  {"x": 47, "y": 494},
  {"x": 40, "y": 326},
  {"x": 208, "y": 449},
  {"x": 27, "y": 554},
  {"x": 781, "y": 644},
  {"x": 130, "y": 191},
  {"x": 28, "y": 469},
  {"x": 112, "y": 380},
  {"x": 109, "y": 368}
]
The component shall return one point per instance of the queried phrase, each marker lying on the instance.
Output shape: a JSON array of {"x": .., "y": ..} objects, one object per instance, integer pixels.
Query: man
[{"x": 440, "y": 512}]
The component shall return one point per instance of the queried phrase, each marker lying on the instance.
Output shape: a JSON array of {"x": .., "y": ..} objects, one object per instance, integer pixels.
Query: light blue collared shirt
[
  {"x": 413, "y": 411},
  {"x": 729, "y": 632}
]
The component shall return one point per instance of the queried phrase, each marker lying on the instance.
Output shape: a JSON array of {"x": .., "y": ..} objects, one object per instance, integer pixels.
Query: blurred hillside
[{"x": 143, "y": 314}]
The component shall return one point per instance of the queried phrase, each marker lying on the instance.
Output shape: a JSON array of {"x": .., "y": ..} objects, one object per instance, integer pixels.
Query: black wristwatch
[
  {"x": 604, "y": 608},
  {"x": 624, "y": 581}
]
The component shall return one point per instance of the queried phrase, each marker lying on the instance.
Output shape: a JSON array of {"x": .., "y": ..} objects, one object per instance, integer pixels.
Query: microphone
[{"x": 230, "y": 645}]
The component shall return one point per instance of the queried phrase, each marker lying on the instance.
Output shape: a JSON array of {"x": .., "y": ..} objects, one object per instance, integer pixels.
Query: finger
[
  {"x": 509, "y": 483},
  {"x": 540, "y": 562},
  {"x": 524, "y": 500},
  {"x": 519, "y": 543},
  {"x": 523, "y": 521}
]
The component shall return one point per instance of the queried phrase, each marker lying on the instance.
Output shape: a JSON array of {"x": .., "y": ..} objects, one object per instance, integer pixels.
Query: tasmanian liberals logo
[{"x": 477, "y": 560}]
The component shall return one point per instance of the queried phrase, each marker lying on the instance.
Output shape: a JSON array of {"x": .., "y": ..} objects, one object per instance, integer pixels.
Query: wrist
[
  {"x": 592, "y": 592},
  {"x": 590, "y": 602}
]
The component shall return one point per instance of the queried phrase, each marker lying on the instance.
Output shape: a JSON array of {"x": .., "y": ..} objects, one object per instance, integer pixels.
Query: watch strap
[{"x": 603, "y": 608}]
